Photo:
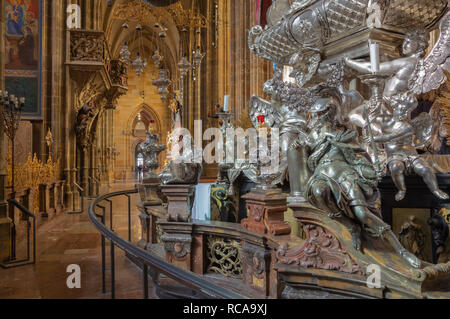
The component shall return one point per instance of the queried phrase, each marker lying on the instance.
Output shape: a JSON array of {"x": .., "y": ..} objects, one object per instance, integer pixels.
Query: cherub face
[{"x": 410, "y": 46}]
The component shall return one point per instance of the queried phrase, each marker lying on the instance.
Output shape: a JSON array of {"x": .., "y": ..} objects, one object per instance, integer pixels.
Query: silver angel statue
[
  {"x": 287, "y": 111},
  {"x": 401, "y": 151},
  {"x": 344, "y": 182},
  {"x": 406, "y": 77}
]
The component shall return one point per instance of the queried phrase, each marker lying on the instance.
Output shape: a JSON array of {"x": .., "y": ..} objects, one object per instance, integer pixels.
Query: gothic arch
[
  {"x": 149, "y": 110},
  {"x": 132, "y": 141}
]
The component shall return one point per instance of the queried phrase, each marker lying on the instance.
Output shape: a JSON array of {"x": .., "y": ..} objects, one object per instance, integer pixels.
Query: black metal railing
[
  {"x": 194, "y": 286},
  {"x": 12, "y": 262}
]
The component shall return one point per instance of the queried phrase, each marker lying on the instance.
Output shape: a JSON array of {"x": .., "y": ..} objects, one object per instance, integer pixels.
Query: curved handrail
[{"x": 184, "y": 277}]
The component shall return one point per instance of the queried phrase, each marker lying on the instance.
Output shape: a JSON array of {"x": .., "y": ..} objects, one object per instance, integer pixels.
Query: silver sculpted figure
[
  {"x": 406, "y": 77},
  {"x": 402, "y": 156},
  {"x": 287, "y": 111},
  {"x": 344, "y": 182}
]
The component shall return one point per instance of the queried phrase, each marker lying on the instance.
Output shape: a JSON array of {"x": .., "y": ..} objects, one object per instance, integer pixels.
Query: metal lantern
[
  {"x": 157, "y": 58},
  {"x": 197, "y": 57},
  {"x": 184, "y": 66},
  {"x": 162, "y": 83},
  {"x": 139, "y": 64},
  {"x": 125, "y": 53}
]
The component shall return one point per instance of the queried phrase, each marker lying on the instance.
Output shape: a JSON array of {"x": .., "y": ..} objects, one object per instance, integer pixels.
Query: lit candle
[
  {"x": 225, "y": 103},
  {"x": 375, "y": 57}
]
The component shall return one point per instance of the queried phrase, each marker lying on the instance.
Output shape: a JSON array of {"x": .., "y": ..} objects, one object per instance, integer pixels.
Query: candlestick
[
  {"x": 225, "y": 103},
  {"x": 375, "y": 57}
]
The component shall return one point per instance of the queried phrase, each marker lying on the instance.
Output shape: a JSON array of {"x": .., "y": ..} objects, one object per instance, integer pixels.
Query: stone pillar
[
  {"x": 85, "y": 184},
  {"x": 5, "y": 221},
  {"x": 94, "y": 171},
  {"x": 43, "y": 200},
  {"x": 51, "y": 191},
  {"x": 180, "y": 199},
  {"x": 60, "y": 200},
  {"x": 266, "y": 208}
]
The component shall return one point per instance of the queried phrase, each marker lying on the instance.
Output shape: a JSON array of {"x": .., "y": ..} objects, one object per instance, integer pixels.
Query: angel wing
[
  {"x": 259, "y": 106},
  {"x": 423, "y": 125},
  {"x": 430, "y": 74}
]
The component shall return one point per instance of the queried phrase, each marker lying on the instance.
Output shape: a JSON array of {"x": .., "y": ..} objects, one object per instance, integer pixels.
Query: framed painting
[{"x": 23, "y": 53}]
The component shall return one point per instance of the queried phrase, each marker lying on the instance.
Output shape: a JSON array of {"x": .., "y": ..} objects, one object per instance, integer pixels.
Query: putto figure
[
  {"x": 406, "y": 77},
  {"x": 343, "y": 181},
  {"x": 402, "y": 156},
  {"x": 402, "y": 71}
]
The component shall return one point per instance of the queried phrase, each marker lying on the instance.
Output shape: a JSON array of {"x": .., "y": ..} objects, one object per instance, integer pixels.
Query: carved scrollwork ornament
[
  {"x": 178, "y": 245},
  {"x": 224, "y": 256}
]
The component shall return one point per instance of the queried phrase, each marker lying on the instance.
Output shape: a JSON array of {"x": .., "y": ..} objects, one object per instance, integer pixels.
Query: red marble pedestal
[{"x": 266, "y": 208}]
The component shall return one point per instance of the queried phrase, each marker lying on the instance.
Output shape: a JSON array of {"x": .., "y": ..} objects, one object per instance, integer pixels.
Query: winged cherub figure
[
  {"x": 402, "y": 156},
  {"x": 402, "y": 70},
  {"x": 409, "y": 76}
]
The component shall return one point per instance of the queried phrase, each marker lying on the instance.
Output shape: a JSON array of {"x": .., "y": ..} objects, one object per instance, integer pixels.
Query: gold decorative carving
[
  {"x": 137, "y": 10},
  {"x": 87, "y": 46},
  {"x": 33, "y": 173},
  {"x": 224, "y": 256}
]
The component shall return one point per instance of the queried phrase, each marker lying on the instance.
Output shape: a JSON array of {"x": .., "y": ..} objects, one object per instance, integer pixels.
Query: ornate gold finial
[{"x": 49, "y": 139}]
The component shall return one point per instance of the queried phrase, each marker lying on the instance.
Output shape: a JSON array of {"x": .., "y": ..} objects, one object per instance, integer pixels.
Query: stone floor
[{"x": 65, "y": 239}]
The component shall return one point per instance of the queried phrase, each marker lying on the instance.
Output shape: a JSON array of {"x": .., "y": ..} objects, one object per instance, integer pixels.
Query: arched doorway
[
  {"x": 144, "y": 121},
  {"x": 139, "y": 164}
]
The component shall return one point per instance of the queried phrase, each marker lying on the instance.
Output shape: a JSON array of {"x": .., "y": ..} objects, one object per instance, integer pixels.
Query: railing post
[
  {"x": 113, "y": 272},
  {"x": 12, "y": 254},
  {"x": 12, "y": 262},
  {"x": 102, "y": 218},
  {"x": 129, "y": 217},
  {"x": 145, "y": 281},
  {"x": 113, "y": 275},
  {"x": 110, "y": 214}
]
